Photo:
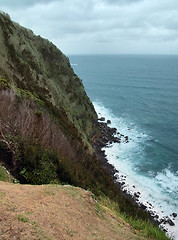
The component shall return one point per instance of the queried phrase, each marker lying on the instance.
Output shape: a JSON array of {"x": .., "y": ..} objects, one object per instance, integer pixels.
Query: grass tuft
[{"x": 23, "y": 218}]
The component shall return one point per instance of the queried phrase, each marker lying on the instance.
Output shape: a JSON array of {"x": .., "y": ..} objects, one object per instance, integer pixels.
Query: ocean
[{"x": 139, "y": 94}]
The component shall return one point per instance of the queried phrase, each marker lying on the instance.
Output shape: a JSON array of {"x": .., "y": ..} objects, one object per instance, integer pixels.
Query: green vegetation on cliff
[
  {"x": 35, "y": 64},
  {"x": 47, "y": 123}
]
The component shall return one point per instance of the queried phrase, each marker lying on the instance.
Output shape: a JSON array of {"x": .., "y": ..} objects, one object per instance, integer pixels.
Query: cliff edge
[{"x": 58, "y": 212}]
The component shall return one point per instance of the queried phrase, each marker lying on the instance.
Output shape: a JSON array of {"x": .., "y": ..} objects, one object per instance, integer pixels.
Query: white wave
[
  {"x": 168, "y": 181},
  {"x": 154, "y": 191},
  {"x": 74, "y": 64}
]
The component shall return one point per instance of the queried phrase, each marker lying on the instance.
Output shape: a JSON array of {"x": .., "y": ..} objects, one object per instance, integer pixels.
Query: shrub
[
  {"x": 39, "y": 165},
  {"x": 4, "y": 83}
]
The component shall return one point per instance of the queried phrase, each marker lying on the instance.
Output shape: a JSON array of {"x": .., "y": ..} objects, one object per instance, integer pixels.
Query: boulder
[
  {"x": 174, "y": 215},
  {"x": 170, "y": 222},
  {"x": 102, "y": 119}
]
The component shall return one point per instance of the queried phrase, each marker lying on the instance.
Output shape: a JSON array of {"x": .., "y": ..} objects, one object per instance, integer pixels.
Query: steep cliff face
[
  {"x": 47, "y": 121},
  {"x": 32, "y": 63}
]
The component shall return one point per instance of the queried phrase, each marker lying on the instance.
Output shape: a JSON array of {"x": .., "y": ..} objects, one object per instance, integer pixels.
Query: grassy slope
[{"x": 62, "y": 212}]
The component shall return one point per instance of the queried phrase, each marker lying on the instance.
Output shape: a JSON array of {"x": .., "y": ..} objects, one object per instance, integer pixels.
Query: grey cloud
[
  {"x": 120, "y": 2},
  {"x": 94, "y": 25},
  {"x": 21, "y": 3}
]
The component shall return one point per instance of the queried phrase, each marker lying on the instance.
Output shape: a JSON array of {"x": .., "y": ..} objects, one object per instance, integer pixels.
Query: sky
[{"x": 101, "y": 26}]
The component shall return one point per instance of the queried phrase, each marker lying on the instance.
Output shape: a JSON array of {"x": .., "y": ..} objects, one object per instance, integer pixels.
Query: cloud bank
[{"x": 101, "y": 26}]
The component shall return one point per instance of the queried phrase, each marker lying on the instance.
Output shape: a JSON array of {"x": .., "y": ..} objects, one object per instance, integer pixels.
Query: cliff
[
  {"x": 32, "y": 63},
  {"x": 47, "y": 122},
  {"x": 43, "y": 106}
]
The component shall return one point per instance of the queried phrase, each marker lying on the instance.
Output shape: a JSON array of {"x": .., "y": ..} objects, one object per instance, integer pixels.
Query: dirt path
[{"x": 56, "y": 212}]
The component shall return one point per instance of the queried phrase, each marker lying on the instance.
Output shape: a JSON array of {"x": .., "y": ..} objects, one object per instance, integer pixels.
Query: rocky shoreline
[{"x": 108, "y": 137}]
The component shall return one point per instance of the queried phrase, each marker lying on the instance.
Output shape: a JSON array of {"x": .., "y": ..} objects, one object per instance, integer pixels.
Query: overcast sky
[{"x": 101, "y": 26}]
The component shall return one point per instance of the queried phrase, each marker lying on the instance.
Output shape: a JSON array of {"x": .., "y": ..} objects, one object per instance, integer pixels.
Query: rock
[
  {"x": 170, "y": 222},
  {"x": 114, "y": 130},
  {"x": 122, "y": 176},
  {"x": 102, "y": 119},
  {"x": 166, "y": 220},
  {"x": 142, "y": 206},
  {"x": 136, "y": 195},
  {"x": 108, "y": 121},
  {"x": 116, "y": 140},
  {"x": 174, "y": 215}
]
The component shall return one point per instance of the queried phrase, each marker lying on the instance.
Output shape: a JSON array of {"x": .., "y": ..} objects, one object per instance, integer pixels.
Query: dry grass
[{"x": 57, "y": 212}]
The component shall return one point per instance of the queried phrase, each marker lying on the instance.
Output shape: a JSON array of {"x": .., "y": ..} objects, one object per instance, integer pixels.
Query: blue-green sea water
[{"x": 139, "y": 94}]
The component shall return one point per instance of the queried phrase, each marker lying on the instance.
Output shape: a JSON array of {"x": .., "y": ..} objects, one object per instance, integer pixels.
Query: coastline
[{"x": 109, "y": 136}]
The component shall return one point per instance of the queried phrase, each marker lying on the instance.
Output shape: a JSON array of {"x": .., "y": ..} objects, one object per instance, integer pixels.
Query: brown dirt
[{"x": 57, "y": 212}]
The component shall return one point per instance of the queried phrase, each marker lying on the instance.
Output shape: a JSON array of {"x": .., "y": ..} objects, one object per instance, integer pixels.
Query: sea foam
[{"x": 154, "y": 190}]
